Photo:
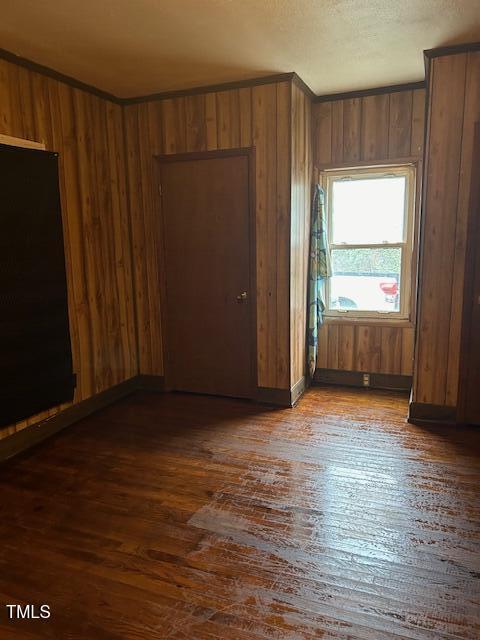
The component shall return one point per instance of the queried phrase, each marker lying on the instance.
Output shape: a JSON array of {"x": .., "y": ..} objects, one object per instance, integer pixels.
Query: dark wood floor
[{"x": 186, "y": 517}]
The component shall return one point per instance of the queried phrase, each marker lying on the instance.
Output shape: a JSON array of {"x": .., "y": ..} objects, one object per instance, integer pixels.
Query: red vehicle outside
[{"x": 390, "y": 289}]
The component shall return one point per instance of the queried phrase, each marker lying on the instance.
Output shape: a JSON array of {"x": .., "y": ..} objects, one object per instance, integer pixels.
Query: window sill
[{"x": 390, "y": 322}]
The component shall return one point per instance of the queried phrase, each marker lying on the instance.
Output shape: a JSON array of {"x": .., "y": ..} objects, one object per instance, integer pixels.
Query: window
[{"x": 370, "y": 230}]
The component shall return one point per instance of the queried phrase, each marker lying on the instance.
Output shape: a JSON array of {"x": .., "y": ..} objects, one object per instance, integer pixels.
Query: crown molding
[
  {"x": 363, "y": 93},
  {"x": 211, "y": 88},
  {"x": 56, "y": 75},
  {"x": 227, "y": 86},
  {"x": 451, "y": 50}
]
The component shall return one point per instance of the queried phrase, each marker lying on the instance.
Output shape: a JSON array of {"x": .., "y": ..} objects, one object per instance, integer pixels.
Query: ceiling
[{"x": 137, "y": 47}]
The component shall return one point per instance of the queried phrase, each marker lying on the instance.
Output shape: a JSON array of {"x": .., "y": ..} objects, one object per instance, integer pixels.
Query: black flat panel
[{"x": 35, "y": 353}]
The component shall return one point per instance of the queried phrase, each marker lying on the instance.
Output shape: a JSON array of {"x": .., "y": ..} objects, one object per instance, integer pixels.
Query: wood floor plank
[{"x": 183, "y": 516}]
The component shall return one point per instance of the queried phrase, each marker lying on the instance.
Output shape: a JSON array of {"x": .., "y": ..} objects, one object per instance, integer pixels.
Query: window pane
[
  {"x": 368, "y": 211},
  {"x": 366, "y": 279}
]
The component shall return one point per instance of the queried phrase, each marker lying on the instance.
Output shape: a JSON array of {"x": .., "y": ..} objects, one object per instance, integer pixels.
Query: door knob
[{"x": 242, "y": 297}]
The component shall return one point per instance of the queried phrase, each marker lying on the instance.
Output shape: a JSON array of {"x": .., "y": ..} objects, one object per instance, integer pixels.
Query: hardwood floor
[{"x": 188, "y": 517}]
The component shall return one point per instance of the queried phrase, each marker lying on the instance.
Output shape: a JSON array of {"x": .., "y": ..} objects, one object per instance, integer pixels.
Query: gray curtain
[{"x": 319, "y": 270}]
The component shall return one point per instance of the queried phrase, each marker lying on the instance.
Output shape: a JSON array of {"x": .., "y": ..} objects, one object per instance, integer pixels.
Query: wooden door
[
  {"x": 469, "y": 391},
  {"x": 208, "y": 253}
]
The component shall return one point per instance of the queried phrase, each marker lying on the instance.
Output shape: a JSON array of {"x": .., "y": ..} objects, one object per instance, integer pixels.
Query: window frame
[{"x": 407, "y": 170}]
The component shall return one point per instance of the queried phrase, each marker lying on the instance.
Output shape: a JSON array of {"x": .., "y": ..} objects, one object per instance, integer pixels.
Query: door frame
[{"x": 161, "y": 159}]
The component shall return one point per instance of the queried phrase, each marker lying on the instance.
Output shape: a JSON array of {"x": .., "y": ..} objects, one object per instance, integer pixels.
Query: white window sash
[{"x": 328, "y": 177}]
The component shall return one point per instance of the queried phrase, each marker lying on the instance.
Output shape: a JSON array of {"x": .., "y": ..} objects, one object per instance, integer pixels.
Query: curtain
[{"x": 318, "y": 271}]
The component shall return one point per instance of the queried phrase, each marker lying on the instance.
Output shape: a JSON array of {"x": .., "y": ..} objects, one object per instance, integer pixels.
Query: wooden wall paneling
[
  {"x": 453, "y": 107},
  {"x": 378, "y": 128},
  {"x": 174, "y": 125},
  {"x": 222, "y": 120},
  {"x": 400, "y": 130},
  {"x": 391, "y": 128},
  {"x": 65, "y": 137},
  {"x": 60, "y": 109},
  {"x": 107, "y": 218},
  {"x": 300, "y": 228},
  {"x": 138, "y": 230},
  {"x": 362, "y": 348},
  {"x": 153, "y": 113},
  {"x": 346, "y": 347},
  {"x": 116, "y": 243},
  {"x": 42, "y": 113},
  {"x": 359, "y": 347},
  {"x": 113, "y": 367},
  {"x": 149, "y": 140},
  {"x": 110, "y": 304},
  {"x": 322, "y": 356},
  {"x": 196, "y": 130},
  {"x": 337, "y": 132},
  {"x": 228, "y": 119},
  {"x": 265, "y": 141},
  {"x": 110, "y": 218},
  {"x": 296, "y": 114},
  {"x": 352, "y": 119},
  {"x": 90, "y": 223},
  {"x": 305, "y": 251},
  {"x": 87, "y": 133},
  {"x": 332, "y": 345},
  {"x": 322, "y": 145},
  {"x": 470, "y": 117},
  {"x": 368, "y": 348},
  {"x": 84, "y": 153},
  {"x": 408, "y": 341},
  {"x": 144, "y": 132},
  {"x": 306, "y": 231},
  {"x": 156, "y": 268},
  {"x": 390, "y": 350},
  {"x": 245, "y": 114},
  {"x": 439, "y": 226},
  {"x": 418, "y": 123},
  {"x": 5, "y": 118},
  {"x": 154, "y": 228},
  {"x": 283, "y": 233},
  {"x": 375, "y": 125},
  {"x": 211, "y": 121},
  {"x": 13, "y": 98},
  {"x": 126, "y": 337},
  {"x": 25, "y": 104}
]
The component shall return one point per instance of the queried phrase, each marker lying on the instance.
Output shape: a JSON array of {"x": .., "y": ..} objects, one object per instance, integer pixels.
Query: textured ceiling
[{"x": 135, "y": 47}]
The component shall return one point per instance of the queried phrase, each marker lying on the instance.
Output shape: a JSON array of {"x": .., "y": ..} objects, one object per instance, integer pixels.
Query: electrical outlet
[{"x": 366, "y": 379}]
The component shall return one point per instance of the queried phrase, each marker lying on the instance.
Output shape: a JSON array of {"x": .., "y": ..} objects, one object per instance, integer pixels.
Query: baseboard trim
[
  {"x": 281, "y": 397},
  {"x": 277, "y": 397},
  {"x": 151, "y": 383},
  {"x": 35, "y": 433},
  {"x": 297, "y": 390},
  {"x": 389, "y": 381},
  {"x": 420, "y": 413}
]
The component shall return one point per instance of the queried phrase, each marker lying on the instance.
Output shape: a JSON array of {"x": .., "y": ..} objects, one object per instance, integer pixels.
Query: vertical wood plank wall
[
  {"x": 388, "y": 126},
  {"x": 258, "y": 116},
  {"x": 454, "y": 107},
  {"x": 301, "y": 162},
  {"x": 114, "y": 258},
  {"x": 87, "y": 132}
]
